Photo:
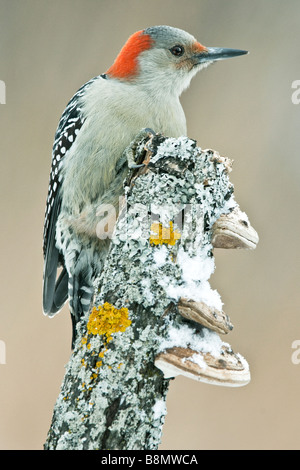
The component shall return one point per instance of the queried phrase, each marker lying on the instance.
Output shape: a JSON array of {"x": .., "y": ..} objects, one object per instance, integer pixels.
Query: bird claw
[
  {"x": 130, "y": 151},
  {"x": 134, "y": 166},
  {"x": 148, "y": 131}
]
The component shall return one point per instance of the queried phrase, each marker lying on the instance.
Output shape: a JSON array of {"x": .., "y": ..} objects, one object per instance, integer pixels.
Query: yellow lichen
[
  {"x": 163, "y": 235},
  {"x": 106, "y": 320}
]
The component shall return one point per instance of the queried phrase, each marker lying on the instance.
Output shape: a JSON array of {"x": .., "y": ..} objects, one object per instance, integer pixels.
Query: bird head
[{"x": 166, "y": 58}]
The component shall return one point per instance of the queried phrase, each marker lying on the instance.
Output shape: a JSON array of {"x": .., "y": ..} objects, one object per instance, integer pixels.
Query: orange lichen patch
[
  {"x": 163, "y": 235},
  {"x": 126, "y": 63},
  {"x": 107, "y": 320}
]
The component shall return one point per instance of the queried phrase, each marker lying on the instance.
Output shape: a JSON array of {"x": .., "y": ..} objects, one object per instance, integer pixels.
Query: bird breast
[{"x": 114, "y": 113}]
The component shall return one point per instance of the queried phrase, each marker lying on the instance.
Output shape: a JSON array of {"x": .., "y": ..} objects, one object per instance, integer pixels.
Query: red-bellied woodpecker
[{"x": 140, "y": 90}]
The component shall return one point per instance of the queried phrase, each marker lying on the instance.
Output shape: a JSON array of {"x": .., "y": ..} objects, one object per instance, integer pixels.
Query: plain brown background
[{"x": 240, "y": 107}]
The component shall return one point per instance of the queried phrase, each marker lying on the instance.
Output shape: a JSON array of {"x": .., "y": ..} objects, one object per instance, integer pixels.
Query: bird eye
[{"x": 177, "y": 50}]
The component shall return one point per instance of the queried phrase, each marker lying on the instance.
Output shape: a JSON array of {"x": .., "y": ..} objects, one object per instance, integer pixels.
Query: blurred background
[{"x": 243, "y": 109}]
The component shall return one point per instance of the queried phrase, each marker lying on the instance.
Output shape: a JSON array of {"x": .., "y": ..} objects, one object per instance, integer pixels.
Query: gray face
[
  {"x": 167, "y": 37},
  {"x": 175, "y": 51}
]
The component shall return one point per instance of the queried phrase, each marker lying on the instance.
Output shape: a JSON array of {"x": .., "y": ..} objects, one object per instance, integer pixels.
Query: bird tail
[{"x": 81, "y": 293}]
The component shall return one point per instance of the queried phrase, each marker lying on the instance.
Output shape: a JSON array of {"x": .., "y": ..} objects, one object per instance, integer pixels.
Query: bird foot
[{"x": 130, "y": 151}]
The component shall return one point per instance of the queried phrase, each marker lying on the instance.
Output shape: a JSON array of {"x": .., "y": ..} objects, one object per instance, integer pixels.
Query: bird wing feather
[{"x": 55, "y": 291}]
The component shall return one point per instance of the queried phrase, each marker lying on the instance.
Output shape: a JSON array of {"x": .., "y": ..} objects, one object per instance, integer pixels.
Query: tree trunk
[{"x": 154, "y": 313}]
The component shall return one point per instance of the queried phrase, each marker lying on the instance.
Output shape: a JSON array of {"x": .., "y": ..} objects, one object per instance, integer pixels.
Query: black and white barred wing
[{"x": 55, "y": 291}]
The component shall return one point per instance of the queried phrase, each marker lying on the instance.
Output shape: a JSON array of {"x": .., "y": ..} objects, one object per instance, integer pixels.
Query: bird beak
[{"x": 218, "y": 53}]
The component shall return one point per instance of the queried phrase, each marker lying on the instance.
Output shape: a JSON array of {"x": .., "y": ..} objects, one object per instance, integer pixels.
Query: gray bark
[{"x": 113, "y": 396}]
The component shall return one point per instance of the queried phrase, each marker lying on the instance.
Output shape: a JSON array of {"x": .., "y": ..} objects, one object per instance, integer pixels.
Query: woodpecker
[{"x": 140, "y": 90}]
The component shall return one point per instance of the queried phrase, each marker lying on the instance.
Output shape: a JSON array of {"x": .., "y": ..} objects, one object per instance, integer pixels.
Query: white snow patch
[
  {"x": 159, "y": 409},
  {"x": 196, "y": 268},
  {"x": 196, "y": 271},
  {"x": 160, "y": 255},
  {"x": 197, "y": 359},
  {"x": 199, "y": 292},
  {"x": 186, "y": 337}
]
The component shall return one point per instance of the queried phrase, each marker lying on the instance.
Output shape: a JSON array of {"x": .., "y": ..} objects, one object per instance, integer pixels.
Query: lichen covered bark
[{"x": 113, "y": 396}]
